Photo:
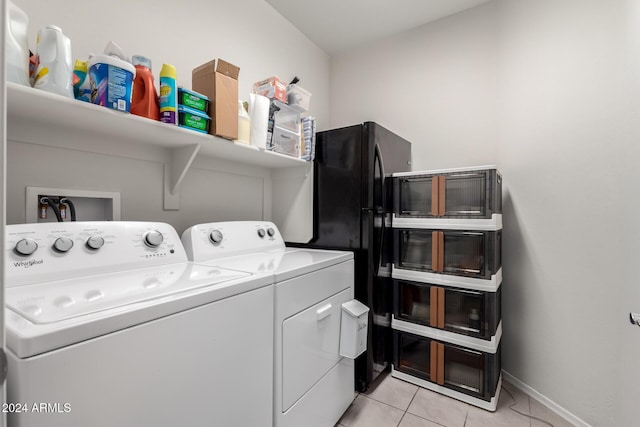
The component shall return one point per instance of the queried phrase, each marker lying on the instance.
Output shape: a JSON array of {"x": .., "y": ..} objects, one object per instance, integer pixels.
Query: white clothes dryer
[
  {"x": 313, "y": 384},
  {"x": 108, "y": 324}
]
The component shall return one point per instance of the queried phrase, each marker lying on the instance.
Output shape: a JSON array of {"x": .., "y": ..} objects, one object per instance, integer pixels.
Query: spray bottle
[{"x": 168, "y": 95}]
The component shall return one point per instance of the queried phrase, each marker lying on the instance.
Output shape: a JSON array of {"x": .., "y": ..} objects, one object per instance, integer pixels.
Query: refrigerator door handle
[
  {"x": 378, "y": 160},
  {"x": 383, "y": 195}
]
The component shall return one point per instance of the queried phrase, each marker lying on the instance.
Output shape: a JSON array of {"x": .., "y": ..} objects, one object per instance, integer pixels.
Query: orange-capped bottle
[{"x": 144, "y": 100}]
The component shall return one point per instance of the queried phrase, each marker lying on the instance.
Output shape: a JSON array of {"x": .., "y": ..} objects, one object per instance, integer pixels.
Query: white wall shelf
[{"x": 32, "y": 107}]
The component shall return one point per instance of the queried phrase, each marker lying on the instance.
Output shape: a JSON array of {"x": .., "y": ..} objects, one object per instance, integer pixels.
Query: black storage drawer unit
[
  {"x": 467, "y": 371},
  {"x": 449, "y": 194},
  {"x": 474, "y": 254},
  {"x": 463, "y": 311}
]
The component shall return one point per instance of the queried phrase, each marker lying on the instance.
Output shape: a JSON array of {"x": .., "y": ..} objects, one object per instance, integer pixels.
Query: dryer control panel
[
  {"x": 62, "y": 250},
  {"x": 205, "y": 242}
]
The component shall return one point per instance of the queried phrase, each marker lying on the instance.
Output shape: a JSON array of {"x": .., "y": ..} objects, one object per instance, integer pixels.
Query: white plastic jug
[
  {"x": 244, "y": 124},
  {"x": 17, "y": 47},
  {"x": 54, "y": 67}
]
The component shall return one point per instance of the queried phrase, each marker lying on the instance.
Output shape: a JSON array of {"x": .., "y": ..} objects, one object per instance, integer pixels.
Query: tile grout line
[
  {"x": 415, "y": 393},
  {"x": 418, "y": 416},
  {"x": 384, "y": 403},
  {"x": 415, "y": 415},
  {"x": 388, "y": 404},
  {"x": 404, "y": 412}
]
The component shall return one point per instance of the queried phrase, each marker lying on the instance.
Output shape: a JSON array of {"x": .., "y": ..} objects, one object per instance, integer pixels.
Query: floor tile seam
[
  {"x": 512, "y": 407},
  {"x": 427, "y": 419},
  {"x": 406, "y": 410},
  {"x": 401, "y": 418},
  {"x": 423, "y": 418},
  {"x": 389, "y": 404},
  {"x": 386, "y": 404},
  {"x": 465, "y": 406},
  {"x": 531, "y": 417},
  {"x": 415, "y": 393}
]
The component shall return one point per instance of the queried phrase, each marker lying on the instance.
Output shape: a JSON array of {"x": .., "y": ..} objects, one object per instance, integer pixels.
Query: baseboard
[{"x": 553, "y": 406}]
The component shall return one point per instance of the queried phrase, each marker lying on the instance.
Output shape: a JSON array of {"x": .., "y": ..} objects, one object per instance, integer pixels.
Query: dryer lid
[
  {"x": 55, "y": 301},
  {"x": 284, "y": 264},
  {"x": 296, "y": 262},
  {"x": 259, "y": 262}
]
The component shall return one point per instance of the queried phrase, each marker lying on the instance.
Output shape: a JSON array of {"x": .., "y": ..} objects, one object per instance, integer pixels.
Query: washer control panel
[
  {"x": 214, "y": 240},
  {"x": 54, "y": 251}
]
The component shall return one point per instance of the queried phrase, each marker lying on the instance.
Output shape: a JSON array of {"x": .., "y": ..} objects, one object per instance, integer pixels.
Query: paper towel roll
[{"x": 259, "y": 114}]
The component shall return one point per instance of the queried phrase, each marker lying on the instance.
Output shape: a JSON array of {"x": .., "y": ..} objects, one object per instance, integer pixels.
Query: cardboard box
[
  {"x": 272, "y": 88},
  {"x": 220, "y": 84}
]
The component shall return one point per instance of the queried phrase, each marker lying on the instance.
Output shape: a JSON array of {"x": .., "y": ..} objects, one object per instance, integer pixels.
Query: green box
[
  {"x": 192, "y": 99},
  {"x": 193, "y": 119}
]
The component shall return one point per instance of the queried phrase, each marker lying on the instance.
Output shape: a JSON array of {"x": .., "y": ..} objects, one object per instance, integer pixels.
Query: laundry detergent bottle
[
  {"x": 16, "y": 46},
  {"x": 54, "y": 67},
  {"x": 168, "y": 95},
  {"x": 144, "y": 101}
]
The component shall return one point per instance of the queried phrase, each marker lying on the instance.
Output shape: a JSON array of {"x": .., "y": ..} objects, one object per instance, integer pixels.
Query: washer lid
[
  {"x": 296, "y": 262},
  {"x": 51, "y": 302}
]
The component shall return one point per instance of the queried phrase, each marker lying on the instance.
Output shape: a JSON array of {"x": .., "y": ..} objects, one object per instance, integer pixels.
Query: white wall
[
  {"x": 547, "y": 90},
  {"x": 248, "y": 33},
  {"x": 628, "y": 347},
  {"x": 569, "y": 102},
  {"x": 435, "y": 86}
]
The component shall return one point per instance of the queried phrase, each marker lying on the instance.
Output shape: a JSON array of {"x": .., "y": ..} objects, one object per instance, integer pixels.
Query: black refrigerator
[{"x": 351, "y": 200}]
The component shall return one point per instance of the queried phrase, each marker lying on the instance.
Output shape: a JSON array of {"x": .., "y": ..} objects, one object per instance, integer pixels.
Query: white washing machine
[
  {"x": 313, "y": 384},
  {"x": 108, "y": 324}
]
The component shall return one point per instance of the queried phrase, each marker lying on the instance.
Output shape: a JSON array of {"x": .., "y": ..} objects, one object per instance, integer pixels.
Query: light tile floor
[{"x": 391, "y": 402}]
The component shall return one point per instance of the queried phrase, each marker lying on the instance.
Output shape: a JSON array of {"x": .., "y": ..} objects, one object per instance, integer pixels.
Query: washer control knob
[
  {"x": 216, "y": 236},
  {"x": 271, "y": 232},
  {"x": 261, "y": 233},
  {"x": 26, "y": 246},
  {"x": 153, "y": 238},
  {"x": 95, "y": 242},
  {"x": 62, "y": 244}
]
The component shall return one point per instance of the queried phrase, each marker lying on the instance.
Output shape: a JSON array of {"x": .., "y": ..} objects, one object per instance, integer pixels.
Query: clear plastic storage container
[
  {"x": 286, "y": 117},
  {"x": 298, "y": 98},
  {"x": 464, "y": 370},
  {"x": 284, "y": 141},
  {"x": 474, "y": 254},
  {"x": 463, "y": 311},
  {"x": 459, "y": 193}
]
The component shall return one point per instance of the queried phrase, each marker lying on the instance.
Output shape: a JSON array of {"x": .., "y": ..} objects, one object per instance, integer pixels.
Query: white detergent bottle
[
  {"x": 244, "y": 124},
  {"x": 54, "y": 66},
  {"x": 16, "y": 46}
]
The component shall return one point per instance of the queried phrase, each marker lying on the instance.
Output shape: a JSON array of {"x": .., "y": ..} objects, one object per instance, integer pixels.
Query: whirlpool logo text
[{"x": 27, "y": 264}]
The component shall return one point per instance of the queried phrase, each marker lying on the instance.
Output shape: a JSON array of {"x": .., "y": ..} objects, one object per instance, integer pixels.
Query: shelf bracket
[{"x": 179, "y": 162}]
